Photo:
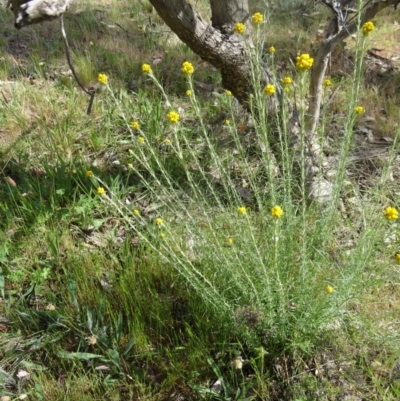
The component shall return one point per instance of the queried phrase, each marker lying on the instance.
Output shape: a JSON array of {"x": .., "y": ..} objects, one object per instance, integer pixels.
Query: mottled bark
[
  {"x": 224, "y": 50},
  {"x": 225, "y": 14}
]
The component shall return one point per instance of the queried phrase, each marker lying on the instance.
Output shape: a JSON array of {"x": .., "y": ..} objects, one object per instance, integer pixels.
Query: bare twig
[{"x": 90, "y": 92}]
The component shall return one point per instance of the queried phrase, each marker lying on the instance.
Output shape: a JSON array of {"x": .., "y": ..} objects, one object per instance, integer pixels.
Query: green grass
[{"x": 101, "y": 302}]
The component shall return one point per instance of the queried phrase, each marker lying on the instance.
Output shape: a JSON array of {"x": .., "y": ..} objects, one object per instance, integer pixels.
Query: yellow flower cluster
[
  {"x": 229, "y": 241},
  {"x": 269, "y": 90},
  {"x": 272, "y": 50},
  {"x": 327, "y": 82},
  {"x": 228, "y": 93},
  {"x": 89, "y": 173},
  {"x": 304, "y": 62},
  {"x": 136, "y": 212},
  {"x": 368, "y": 27},
  {"x": 398, "y": 258},
  {"x": 135, "y": 125},
  {"x": 329, "y": 289},
  {"x": 276, "y": 212},
  {"x": 159, "y": 221},
  {"x": 257, "y": 18},
  {"x": 101, "y": 191},
  {"x": 187, "y": 69},
  {"x": 242, "y": 210},
  {"x": 146, "y": 69},
  {"x": 240, "y": 28},
  {"x": 141, "y": 140},
  {"x": 287, "y": 81},
  {"x": 173, "y": 117},
  {"x": 391, "y": 213},
  {"x": 359, "y": 110},
  {"x": 103, "y": 79},
  {"x": 188, "y": 92}
]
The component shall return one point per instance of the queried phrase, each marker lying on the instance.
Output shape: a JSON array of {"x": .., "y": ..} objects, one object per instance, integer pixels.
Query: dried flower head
[{"x": 92, "y": 340}]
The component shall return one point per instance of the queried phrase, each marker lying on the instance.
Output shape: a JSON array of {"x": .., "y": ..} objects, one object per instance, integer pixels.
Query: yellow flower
[
  {"x": 103, "y": 79},
  {"x": 89, "y": 173},
  {"x": 242, "y": 210},
  {"x": 277, "y": 212},
  {"x": 257, "y": 18},
  {"x": 287, "y": 81},
  {"x": 229, "y": 241},
  {"x": 173, "y": 117},
  {"x": 136, "y": 212},
  {"x": 272, "y": 50},
  {"x": 359, "y": 110},
  {"x": 159, "y": 221},
  {"x": 188, "y": 92},
  {"x": 135, "y": 125},
  {"x": 329, "y": 289},
  {"x": 228, "y": 93},
  {"x": 162, "y": 235},
  {"x": 391, "y": 213},
  {"x": 269, "y": 90},
  {"x": 146, "y": 69},
  {"x": 327, "y": 82},
  {"x": 240, "y": 28},
  {"x": 304, "y": 62},
  {"x": 368, "y": 27},
  {"x": 167, "y": 141},
  {"x": 398, "y": 258},
  {"x": 187, "y": 69},
  {"x": 130, "y": 165},
  {"x": 227, "y": 122},
  {"x": 101, "y": 191},
  {"x": 141, "y": 140}
]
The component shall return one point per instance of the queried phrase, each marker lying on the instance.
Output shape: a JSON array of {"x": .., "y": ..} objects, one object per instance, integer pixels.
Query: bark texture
[
  {"x": 224, "y": 50},
  {"x": 28, "y": 12},
  {"x": 335, "y": 34}
]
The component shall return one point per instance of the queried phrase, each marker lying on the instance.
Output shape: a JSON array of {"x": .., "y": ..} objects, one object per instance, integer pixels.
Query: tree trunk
[{"x": 224, "y": 49}]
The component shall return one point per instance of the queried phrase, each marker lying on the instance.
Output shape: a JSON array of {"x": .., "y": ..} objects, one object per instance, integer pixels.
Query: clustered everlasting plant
[
  {"x": 240, "y": 28},
  {"x": 304, "y": 62},
  {"x": 103, "y": 79}
]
